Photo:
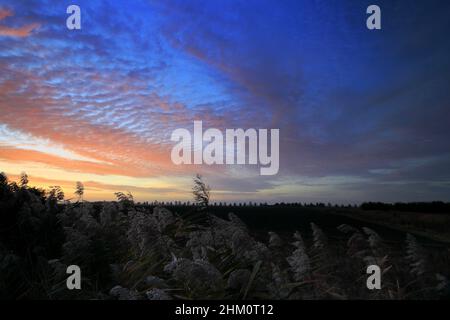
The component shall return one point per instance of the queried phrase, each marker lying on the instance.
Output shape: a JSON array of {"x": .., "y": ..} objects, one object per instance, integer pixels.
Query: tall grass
[{"x": 141, "y": 252}]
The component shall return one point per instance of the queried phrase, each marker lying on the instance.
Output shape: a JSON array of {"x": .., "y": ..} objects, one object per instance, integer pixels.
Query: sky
[{"x": 363, "y": 114}]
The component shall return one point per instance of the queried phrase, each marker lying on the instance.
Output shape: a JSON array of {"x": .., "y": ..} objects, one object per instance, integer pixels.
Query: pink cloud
[
  {"x": 64, "y": 122},
  {"x": 21, "y": 32},
  {"x": 5, "y": 13}
]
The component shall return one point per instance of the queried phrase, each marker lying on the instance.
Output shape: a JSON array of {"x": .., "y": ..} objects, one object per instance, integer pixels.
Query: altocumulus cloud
[{"x": 23, "y": 31}]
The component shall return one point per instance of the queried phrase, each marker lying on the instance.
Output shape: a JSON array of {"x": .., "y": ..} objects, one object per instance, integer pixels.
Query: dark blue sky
[{"x": 363, "y": 115}]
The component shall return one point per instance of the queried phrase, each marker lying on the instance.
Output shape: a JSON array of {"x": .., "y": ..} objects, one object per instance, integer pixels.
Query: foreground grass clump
[{"x": 127, "y": 251}]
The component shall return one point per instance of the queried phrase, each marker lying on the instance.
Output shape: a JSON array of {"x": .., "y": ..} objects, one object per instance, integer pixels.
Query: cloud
[
  {"x": 104, "y": 101},
  {"x": 5, "y": 13},
  {"x": 21, "y": 32}
]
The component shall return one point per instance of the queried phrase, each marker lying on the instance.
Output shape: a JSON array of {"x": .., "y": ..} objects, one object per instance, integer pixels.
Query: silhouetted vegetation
[
  {"x": 30, "y": 235},
  {"x": 425, "y": 207},
  {"x": 129, "y": 250}
]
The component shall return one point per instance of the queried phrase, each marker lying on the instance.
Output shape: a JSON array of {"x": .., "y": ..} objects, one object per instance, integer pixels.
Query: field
[{"x": 128, "y": 250}]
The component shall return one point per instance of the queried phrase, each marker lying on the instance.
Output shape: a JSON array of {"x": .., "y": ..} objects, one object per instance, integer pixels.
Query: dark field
[
  {"x": 133, "y": 251},
  {"x": 431, "y": 228}
]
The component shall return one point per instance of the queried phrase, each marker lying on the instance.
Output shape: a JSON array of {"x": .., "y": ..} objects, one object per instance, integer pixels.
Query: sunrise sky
[{"x": 363, "y": 115}]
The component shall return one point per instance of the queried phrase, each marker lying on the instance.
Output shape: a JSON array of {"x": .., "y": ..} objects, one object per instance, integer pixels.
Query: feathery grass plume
[
  {"x": 237, "y": 222},
  {"x": 274, "y": 240},
  {"x": 356, "y": 243},
  {"x": 143, "y": 231},
  {"x": 199, "y": 278},
  {"x": 298, "y": 236},
  {"x": 201, "y": 191},
  {"x": 320, "y": 240},
  {"x": 148, "y": 237},
  {"x": 126, "y": 201},
  {"x": 246, "y": 249},
  {"x": 79, "y": 190},
  {"x": 299, "y": 262},
  {"x": 322, "y": 264},
  {"x": 243, "y": 246},
  {"x": 156, "y": 282},
  {"x": 116, "y": 272},
  {"x": 198, "y": 243},
  {"x": 77, "y": 247},
  {"x": 135, "y": 273},
  {"x": 443, "y": 285},
  {"x": 55, "y": 193},
  {"x": 88, "y": 224},
  {"x": 58, "y": 268},
  {"x": 12, "y": 278},
  {"x": 23, "y": 180},
  {"x": 238, "y": 279},
  {"x": 278, "y": 288},
  {"x": 3, "y": 179},
  {"x": 109, "y": 214},
  {"x": 157, "y": 294},
  {"x": 375, "y": 244},
  {"x": 377, "y": 254},
  {"x": 223, "y": 231},
  {"x": 121, "y": 293},
  {"x": 415, "y": 256},
  {"x": 374, "y": 240},
  {"x": 252, "y": 279},
  {"x": 57, "y": 276},
  {"x": 345, "y": 228},
  {"x": 164, "y": 218}
]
